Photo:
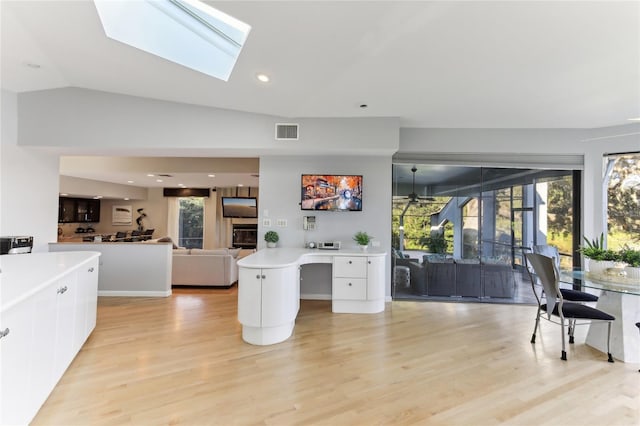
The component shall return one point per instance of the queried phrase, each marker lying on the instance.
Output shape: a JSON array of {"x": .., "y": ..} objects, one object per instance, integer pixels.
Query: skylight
[{"x": 187, "y": 32}]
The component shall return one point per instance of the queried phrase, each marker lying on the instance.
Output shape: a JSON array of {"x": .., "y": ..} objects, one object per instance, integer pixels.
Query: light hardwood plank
[{"x": 181, "y": 360}]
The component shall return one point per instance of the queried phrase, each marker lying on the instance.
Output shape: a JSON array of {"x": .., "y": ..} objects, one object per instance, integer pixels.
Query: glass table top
[{"x": 615, "y": 283}]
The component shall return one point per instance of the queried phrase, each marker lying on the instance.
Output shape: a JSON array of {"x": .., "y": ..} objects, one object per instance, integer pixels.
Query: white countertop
[
  {"x": 283, "y": 257},
  {"x": 25, "y": 274}
]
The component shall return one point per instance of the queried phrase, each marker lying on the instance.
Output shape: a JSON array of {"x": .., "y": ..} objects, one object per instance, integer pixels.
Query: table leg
[{"x": 625, "y": 339}]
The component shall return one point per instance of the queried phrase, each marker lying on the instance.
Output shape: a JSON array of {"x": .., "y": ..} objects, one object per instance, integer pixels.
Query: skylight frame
[{"x": 186, "y": 32}]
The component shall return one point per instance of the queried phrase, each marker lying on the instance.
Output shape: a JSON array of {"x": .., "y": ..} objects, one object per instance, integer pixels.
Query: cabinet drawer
[
  {"x": 349, "y": 288},
  {"x": 355, "y": 267}
]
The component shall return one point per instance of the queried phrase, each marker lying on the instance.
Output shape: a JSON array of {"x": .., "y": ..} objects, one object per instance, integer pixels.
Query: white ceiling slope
[{"x": 431, "y": 64}]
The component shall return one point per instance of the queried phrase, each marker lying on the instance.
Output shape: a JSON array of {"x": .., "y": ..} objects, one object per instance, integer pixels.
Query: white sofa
[{"x": 199, "y": 267}]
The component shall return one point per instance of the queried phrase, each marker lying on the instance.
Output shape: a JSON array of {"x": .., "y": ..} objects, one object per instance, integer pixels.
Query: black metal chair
[
  {"x": 545, "y": 285},
  {"x": 567, "y": 293}
]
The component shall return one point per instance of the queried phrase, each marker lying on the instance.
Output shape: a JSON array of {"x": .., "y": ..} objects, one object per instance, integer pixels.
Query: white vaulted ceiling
[{"x": 432, "y": 64}]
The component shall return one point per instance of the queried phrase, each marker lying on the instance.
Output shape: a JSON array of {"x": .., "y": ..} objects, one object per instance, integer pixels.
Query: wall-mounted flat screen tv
[
  {"x": 332, "y": 192},
  {"x": 239, "y": 207}
]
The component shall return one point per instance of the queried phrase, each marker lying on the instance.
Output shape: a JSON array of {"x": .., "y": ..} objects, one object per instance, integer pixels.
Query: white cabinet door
[
  {"x": 87, "y": 298},
  {"x": 345, "y": 266},
  {"x": 16, "y": 329},
  {"x": 349, "y": 289},
  {"x": 65, "y": 347},
  {"x": 42, "y": 346},
  {"x": 250, "y": 296},
  {"x": 279, "y": 304},
  {"x": 375, "y": 277}
]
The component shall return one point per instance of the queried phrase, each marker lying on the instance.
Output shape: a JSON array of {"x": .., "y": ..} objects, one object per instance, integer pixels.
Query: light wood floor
[{"x": 181, "y": 360}]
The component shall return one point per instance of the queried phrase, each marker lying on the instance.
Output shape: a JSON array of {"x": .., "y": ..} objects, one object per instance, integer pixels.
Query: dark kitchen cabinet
[{"x": 78, "y": 210}]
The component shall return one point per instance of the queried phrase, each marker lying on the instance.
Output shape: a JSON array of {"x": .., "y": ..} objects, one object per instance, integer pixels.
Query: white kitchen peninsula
[
  {"x": 48, "y": 309},
  {"x": 269, "y": 288}
]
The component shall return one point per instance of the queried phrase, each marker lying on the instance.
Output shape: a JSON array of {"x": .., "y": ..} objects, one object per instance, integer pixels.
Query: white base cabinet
[
  {"x": 269, "y": 288},
  {"x": 268, "y": 302},
  {"x": 42, "y": 333},
  {"x": 358, "y": 284}
]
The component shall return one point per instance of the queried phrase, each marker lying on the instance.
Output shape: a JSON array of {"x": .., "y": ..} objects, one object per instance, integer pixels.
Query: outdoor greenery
[
  {"x": 623, "y": 196},
  {"x": 417, "y": 223},
  {"x": 435, "y": 243},
  {"x": 362, "y": 238},
  {"x": 191, "y": 222}
]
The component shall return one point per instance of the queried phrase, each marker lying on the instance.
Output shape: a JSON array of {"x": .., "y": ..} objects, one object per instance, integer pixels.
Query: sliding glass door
[{"x": 487, "y": 218}]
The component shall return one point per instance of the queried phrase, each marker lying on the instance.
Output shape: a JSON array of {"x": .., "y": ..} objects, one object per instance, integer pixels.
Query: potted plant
[
  {"x": 600, "y": 259},
  {"x": 271, "y": 237},
  {"x": 435, "y": 243},
  {"x": 362, "y": 239},
  {"x": 631, "y": 258}
]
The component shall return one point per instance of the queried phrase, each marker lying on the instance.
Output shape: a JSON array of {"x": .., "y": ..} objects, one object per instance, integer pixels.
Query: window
[
  {"x": 622, "y": 183},
  {"x": 191, "y": 222}
]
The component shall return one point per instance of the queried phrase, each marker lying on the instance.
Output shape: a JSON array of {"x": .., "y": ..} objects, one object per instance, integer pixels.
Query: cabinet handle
[
  {"x": 369, "y": 262},
  {"x": 263, "y": 277},
  {"x": 91, "y": 269},
  {"x": 4, "y": 333},
  {"x": 350, "y": 262},
  {"x": 350, "y": 284},
  {"x": 257, "y": 277}
]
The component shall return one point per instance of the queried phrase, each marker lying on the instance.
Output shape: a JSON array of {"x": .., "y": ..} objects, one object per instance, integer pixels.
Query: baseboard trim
[
  {"x": 312, "y": 296},
  {"x": 118, "y": 293}
]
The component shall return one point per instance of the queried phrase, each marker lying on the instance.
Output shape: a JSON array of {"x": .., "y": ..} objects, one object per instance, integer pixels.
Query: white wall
[
  {"x": 86, "y": 121},
  {"x": 280, "y": 189},
  {"x": 28, "y": 183}
]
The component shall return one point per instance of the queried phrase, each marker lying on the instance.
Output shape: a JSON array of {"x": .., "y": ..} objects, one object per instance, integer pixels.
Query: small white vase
[
  {"x": 271, "y": 245},
  {"x": 363, "y": 247},
  {"x": 598, "y": 267}
]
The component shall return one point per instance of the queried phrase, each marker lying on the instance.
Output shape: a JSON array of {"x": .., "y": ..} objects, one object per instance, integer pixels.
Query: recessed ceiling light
[
  {"x": 158, "y": 180},
  {"x": 181, "y": 184},
  {"x": 97, "y": 197},
  {"x": 129, "y": 181},
  {"x": 263, "y": 78},
  {"x": 634, "y": 119},
  {"x": 240, "y": 184},
  {"x": 150, "y": 175},
  {"x": 64, "y": 194},
  {"x": 126, "y": 199},
  {"x": 211, "y": 175}
]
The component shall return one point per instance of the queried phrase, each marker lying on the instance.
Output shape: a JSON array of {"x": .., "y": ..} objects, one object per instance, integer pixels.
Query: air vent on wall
[{"x": 286, "y": 131}]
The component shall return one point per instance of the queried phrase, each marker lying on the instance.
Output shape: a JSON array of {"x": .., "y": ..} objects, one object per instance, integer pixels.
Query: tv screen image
[
  {"x": 239, "y": 207},
  {"x": 331, "y": 192}
]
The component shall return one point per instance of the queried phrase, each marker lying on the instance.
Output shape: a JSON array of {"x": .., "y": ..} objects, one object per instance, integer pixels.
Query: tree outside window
[
  {"x": 191, "y": 222},
  {"x": 623, "y": 201}
]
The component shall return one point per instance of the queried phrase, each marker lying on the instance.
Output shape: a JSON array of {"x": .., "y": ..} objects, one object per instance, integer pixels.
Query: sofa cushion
[{"x": 201, "y": 252}]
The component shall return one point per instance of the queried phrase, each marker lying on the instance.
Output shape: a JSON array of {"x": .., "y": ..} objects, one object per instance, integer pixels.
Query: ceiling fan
[{"x": 413, "y": 196}]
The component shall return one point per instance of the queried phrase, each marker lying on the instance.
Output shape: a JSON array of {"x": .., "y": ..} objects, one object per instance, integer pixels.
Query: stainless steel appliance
[{"x": 16, "y": 245}]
